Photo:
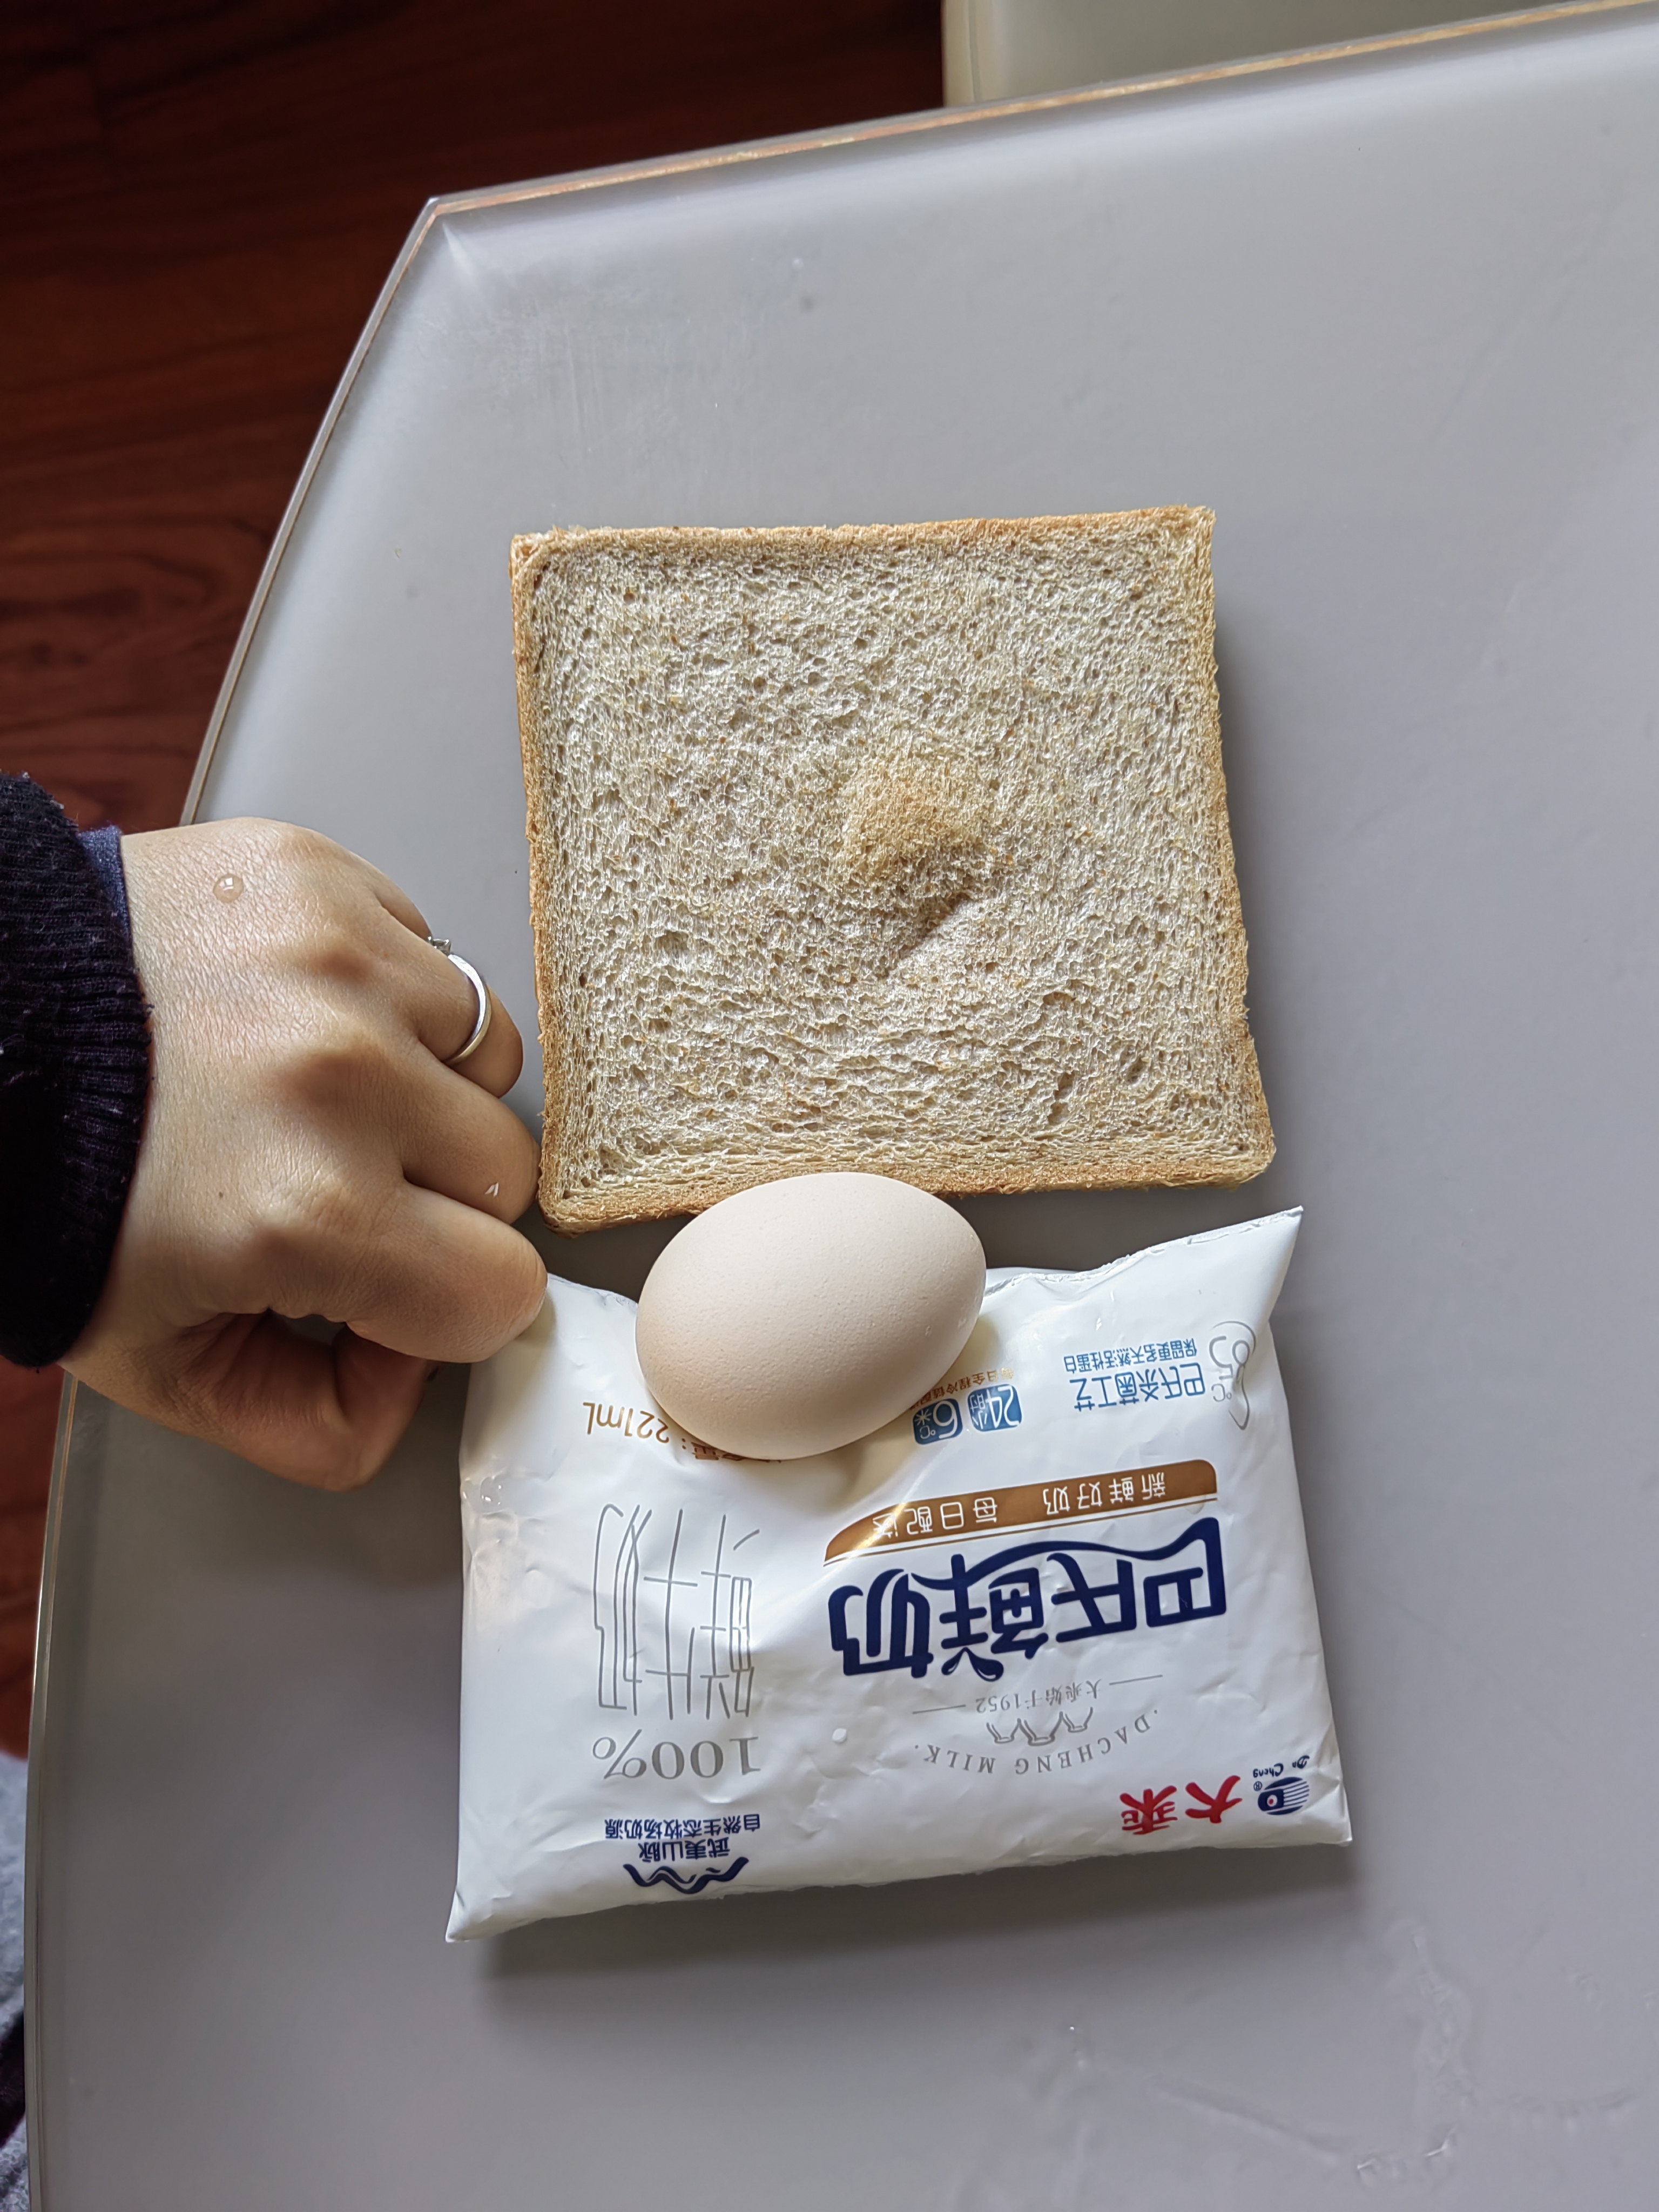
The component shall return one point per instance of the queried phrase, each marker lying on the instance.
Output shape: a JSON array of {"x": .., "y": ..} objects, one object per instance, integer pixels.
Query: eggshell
[{"x": 800, "y": 1314}]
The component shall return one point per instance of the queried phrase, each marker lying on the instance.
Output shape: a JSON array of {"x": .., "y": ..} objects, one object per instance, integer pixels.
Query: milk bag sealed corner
[{"x": 1061, "y": 1608}]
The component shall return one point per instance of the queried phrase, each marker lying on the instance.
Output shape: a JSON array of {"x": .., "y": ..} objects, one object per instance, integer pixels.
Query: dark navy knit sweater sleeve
[{"x": 74, "y": 1070}]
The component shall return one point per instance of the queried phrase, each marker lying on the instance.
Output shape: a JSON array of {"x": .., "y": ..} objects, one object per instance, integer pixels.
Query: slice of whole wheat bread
[{"x": 896, "y": 848}]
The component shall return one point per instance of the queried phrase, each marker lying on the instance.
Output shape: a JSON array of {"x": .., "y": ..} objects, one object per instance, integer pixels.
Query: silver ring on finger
[{"x": 481, "y": 1023}]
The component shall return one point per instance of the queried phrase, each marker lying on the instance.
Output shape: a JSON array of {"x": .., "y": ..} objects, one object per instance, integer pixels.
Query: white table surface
[{"x": 1396, "y": 319}]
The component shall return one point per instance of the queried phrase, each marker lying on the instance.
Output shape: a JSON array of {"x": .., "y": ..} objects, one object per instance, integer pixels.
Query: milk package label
[{"x": 1062, "y": 1608}]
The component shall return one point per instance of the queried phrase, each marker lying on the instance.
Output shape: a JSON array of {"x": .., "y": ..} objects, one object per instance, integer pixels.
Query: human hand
[{"x": 306, "y": 1152}]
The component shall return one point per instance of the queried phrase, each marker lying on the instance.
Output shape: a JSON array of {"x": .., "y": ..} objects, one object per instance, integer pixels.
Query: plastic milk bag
[{"x": 1061, "y": 1608}]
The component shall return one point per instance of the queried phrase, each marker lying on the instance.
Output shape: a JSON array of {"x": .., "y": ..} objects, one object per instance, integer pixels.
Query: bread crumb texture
[{"x": 902, "y": 849}]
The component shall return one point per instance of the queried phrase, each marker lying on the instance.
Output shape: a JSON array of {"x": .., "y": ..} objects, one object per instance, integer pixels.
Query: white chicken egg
[{"x": 798, "y": 1315}]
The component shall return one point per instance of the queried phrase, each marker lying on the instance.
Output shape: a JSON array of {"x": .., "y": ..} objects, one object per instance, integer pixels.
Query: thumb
[{"x": 326, "y": 1414}]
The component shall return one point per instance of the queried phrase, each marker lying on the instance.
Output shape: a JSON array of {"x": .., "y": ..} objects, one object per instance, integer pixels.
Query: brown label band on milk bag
[{"x": 1027, "y": 1505}]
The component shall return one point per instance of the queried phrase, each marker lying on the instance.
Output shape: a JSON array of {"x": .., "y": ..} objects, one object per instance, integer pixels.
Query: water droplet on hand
[{"x": 228, "y": 887}]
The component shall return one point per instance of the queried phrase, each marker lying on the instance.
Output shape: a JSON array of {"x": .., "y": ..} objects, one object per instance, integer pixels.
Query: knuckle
[
  {"x": 336, "y": 951},
  {"x": 314, "y": 1228},
  {"x": 292, "y": 842},
  {"x": 338, "y": 1060}
]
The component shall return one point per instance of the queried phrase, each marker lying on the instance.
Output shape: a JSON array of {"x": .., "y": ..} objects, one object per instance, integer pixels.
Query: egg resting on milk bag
[
  {"x": 797, "y": 1316},
  {"x": 1059, "y": 1606}
]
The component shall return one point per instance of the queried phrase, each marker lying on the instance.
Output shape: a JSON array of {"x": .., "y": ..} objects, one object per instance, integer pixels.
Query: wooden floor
[{"x": 202, "y": 199}]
